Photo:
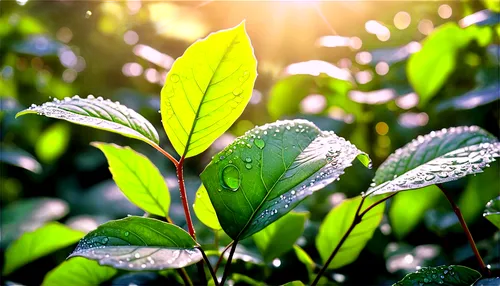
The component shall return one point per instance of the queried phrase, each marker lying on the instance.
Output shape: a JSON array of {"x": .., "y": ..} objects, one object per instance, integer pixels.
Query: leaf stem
[
  {"x": 185, "y": 276},
  {"x": 166, "y": 154},
  {"x": 222, "y": 256},
  {"x": 228, "y": 264},
  {"x": 214, "y": 277},
  {"x": 357, "y": 219},
  {"x": 460, "y": 217}
]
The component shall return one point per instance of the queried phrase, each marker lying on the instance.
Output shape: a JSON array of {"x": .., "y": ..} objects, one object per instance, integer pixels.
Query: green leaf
[
  {"x": 441, "y": 275},
  {"x": 28, "y": 215},
  {"x": 137, "y": 178},
  {"x": 304, "y": 257},
  {"x": 207, "y": 89},
  {"x": 268, "y": 171},
  {"x": 280, "y": 236},
  {"x": 492, "y": 5},
  {"x": 137, "y": 243},
  {"x": 204, "y": 209},
  {"x": 240, "y": 279},
  {"x": 439, "y": 157},
  {"x": 53, "y": 142},
  {"x": 492, "y": 211},
  {"x": 336, "y": 224},
  {"x": 19, "y": 158},
  {"x": 294, "y": 283},
  {"x": 471, "y": 99},
  {"x": 79, "y": 271},
  {"x": 100, "y": 114},
  {"x": 33, "y": 245},
  {"x": 429, "y": 68},
  {"x": 404, "y": 218}
]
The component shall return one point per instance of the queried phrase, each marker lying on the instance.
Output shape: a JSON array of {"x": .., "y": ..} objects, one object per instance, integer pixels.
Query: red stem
[
  {"x": 166, "y": 154},
  {"x": 184, "y": 199}
]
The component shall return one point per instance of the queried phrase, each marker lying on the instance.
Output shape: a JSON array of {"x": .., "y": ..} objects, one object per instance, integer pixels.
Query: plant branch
[
  {"x": 460, "y": 217},
  {"x": 222, "y": 256},
  {"x": 184, "y": 199},
  {"x": 166, "y": 154},
  {"x": 228, "y": 264},
  {"x": 214, "y": 277},
  {"x": 185, "y": 277},
  {"x": 376, "y": 204}
]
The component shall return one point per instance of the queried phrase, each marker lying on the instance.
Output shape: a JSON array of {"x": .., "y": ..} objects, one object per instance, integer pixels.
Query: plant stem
[
  {"x": 216, "y": 239},
  {"x": 184, "y": 199},
  {"x": 222, "y": 256},
  {"x": 214, "y": 277},
  {"x": 166, "y": 154},
  {"x": 460, "y": 217},
  {"x": 185, "y": 277},
  {"x": 228, "y": 264}
]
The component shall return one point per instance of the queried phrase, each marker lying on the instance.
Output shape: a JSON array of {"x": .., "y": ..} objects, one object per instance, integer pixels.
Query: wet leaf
[
  {"x": 137, "y": 243},
  {"x": 100, "y": 114},
  {"x": 280, "y": 236},
  {"x": 207, "y": 89},
  {"x": 33, "y": 245},
  {"x": 20, "y": 158},
  {"x": 492, "y": 211},
  {"x": 336, "y": 224},
  {"x": 204, "y": 209},
  {"x": 267, "y": 172},
  {"x": 79, "y": 271},
  {"x": 441, "y": 275},
  {"x": 439, "y": 157},
  {"x": 137, "y": 178}
]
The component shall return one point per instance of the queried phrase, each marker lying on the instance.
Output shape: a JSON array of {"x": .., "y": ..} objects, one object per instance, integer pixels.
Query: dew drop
[
  {"x": 259, "y": 143},
  {"x": 237, "y": 91},
  {"x": 248, "y": 160},
  {"x": 230, "y": 177},
  {"x": 174, "y": 78},
  {"x": 248, "y": 166},
  {"x": 126, "y": 233},
  {"x": 137, "y": 255}
]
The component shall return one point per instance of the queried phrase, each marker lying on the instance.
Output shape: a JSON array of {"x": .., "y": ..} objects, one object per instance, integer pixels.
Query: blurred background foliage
[{"x": 378, "y": 73}]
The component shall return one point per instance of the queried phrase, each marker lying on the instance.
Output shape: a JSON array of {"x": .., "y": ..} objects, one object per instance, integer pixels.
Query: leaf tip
[{"x": 23, "y": 112}]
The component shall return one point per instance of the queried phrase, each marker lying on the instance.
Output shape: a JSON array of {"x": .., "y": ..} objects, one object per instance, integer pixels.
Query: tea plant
[{"x": 250, "y": 187}]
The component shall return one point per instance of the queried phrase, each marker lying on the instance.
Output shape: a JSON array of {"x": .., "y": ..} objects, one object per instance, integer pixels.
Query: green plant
[{"x": 250, "y": 187}]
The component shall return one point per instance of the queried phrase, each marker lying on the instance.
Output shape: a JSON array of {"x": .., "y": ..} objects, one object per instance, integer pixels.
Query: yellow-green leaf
[
  {"x": 204, "y": 209},
  {"x": 79, "y": 271}
]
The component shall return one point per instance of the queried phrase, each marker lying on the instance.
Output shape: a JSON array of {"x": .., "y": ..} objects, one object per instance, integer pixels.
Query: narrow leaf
[
  {"x": 204, "y": 209},
  {"x": 100, "y": 114},
  {"x": 472, "y": 99},
  {"x": 79, "y": 272},
  {"x": 137, "y": 243},
  {"x": 441, "y": 275},
  {"x": 19, "y": 158},
  {"x": 264, "y": 174},
  {"x": 137, "y": 178},
  {"x": 492, "y": 211},
  {"x": 33, "y": 245},
  {"x": 336, "y": 224},
  {"x": 438, "y": 157},
  {"x": 207, "y": 89},
  {"x": 280, "y": 236}
]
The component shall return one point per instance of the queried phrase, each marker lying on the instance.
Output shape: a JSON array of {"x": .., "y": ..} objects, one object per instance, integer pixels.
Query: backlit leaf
[
  {"x": 79, "y": 271},
  {"x": 207, "y": 89},
  {"x": 439, "y": 157},
  {"x": 100, "y": 114},
  {"x": 492, "y": 211},
  {"x": 137, "y": 243},
  {"x": 441, "y": 275},
  {"x": 137, "y": 178},
  {"x": 20, "y": 158},
  {"x": 268, "y": 171},
  {"x": 53, "y": 142},
  {"x": 204, "y": 209},
  {"x": 335, "y": 225}
]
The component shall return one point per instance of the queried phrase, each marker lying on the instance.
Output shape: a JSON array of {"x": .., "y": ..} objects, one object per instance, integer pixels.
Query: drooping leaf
[
  {"x": 53, "y": 142},
  {"x": 439, "y": 157},
  {"x": 28, "y": 215},
  {"x": 441, "y": 275},
  {"x": 207, "y": 89},
  {"x": 204, "y": 209},
  {"x": 137, "y": 178},
  {"x": 268, "y": 171},
  {"x": 472, "y": 99},
  {"x": 137, "y": 243},
  {"x": 100, "y": 114},
  {"x": 335, "y": 225},
  {"x": 280, "y": 236},
  {"x": 79, "y": 271},
  {"x": 33, "y": 245},
  {"x": 404, "y": 218},
  {"x": 492, "y": 211},
  {"x": 20, "y": 158}
]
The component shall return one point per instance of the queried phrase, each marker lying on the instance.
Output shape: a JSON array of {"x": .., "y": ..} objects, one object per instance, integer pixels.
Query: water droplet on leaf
[{"x": 230, "y": 178}]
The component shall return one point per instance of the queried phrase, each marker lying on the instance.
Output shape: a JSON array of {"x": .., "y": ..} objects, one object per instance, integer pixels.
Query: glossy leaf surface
[
  {"x": 98, "y": 113},
  {"x": 492, "y": 211},
  {"x": 33, "y": 245},
  {"x": 137, "y": 178},
  {"x": 137, "y": 243},
  {"x": 441, "y": 275},
  {"x": 264, "y": 174},
  {"x": 335, "y": 225},
  {"x": 20, "y": 158},
  {"x": 280, "y": 236},
  {"x": 207, "y": 89},
  {"x": 439, "y": 157}
]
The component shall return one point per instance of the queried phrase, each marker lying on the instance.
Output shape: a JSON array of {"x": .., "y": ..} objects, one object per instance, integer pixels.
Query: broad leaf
[
  {"x": 20, "y": 158},
  {"x": 445, "y": 275},
  {"x": 137, "y": 178},
  {"x": 137, "y": 243},
  {"x": 53, "y": 142},
  {"x": 439, "y": 157},
  {"x": 33, "y": 245},
  {"x": 280, "y": 236},
  {"x": 492, "y": 211},
  {"x": 204, "y": 209},
  {"x": 264, "y": 174},
  {"x": 404, "y": 218},
  {"x": 336, "y": 224},
  {"x": 207, "y": 89},
  {"x": 79, "y": 271},
  {"x": 100, "y": 114}
]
